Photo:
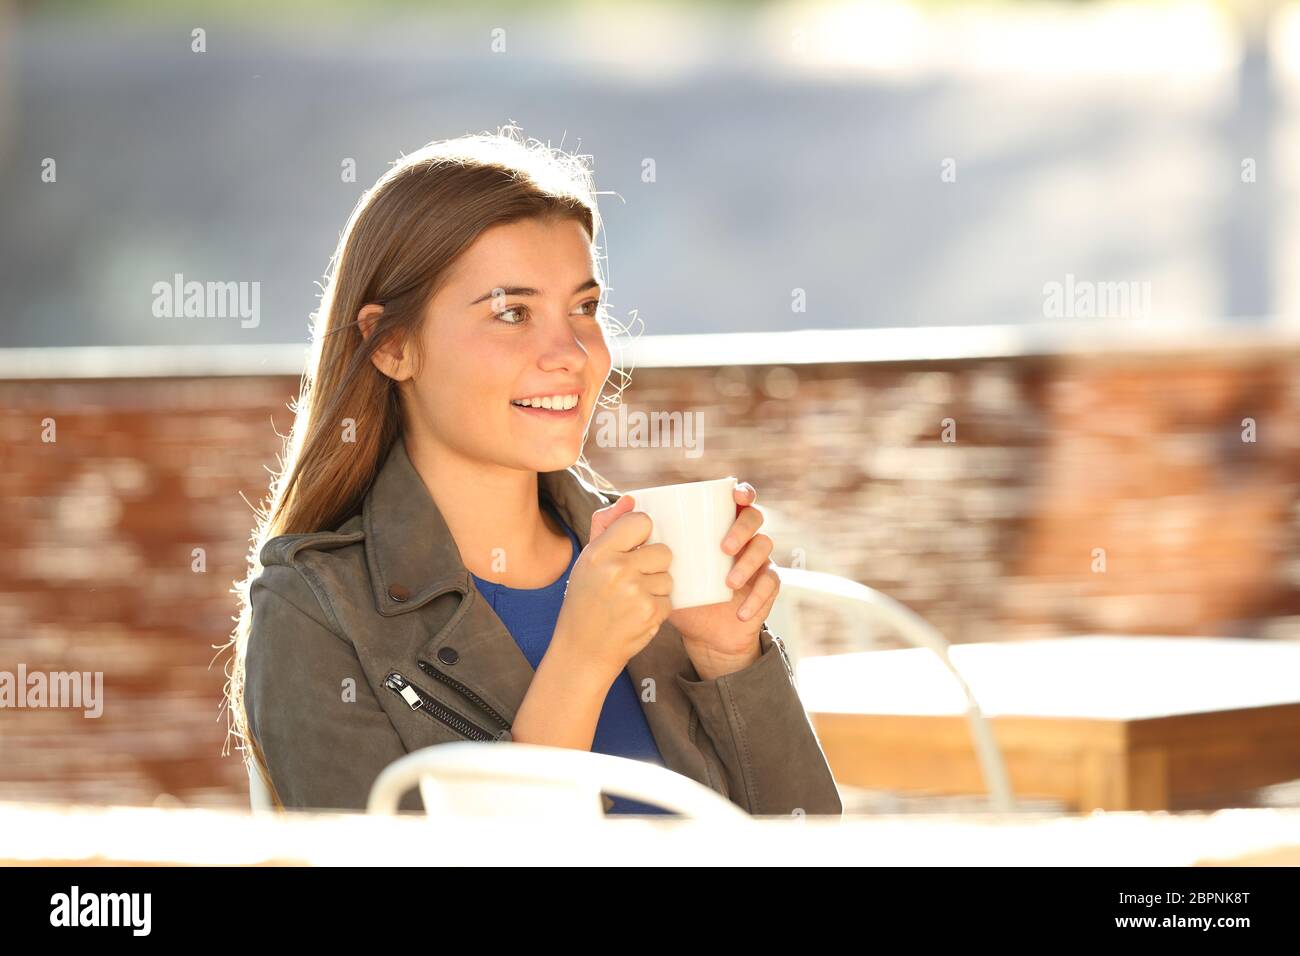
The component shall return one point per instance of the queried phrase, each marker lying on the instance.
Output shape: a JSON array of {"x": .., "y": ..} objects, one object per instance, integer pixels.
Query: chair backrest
[
  {"x": 864, "y": 610},
  {"x": 862, "y": 606},
  {"x": 518, "y": 779},
  {"x": 259, "y": 795}
]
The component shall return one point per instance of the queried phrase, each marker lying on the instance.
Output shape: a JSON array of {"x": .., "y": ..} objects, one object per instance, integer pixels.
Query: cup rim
[{"x": 681, "y": 484}]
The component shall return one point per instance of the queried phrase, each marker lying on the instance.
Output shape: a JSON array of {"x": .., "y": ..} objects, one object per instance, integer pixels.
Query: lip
[
  {"x": 549, "y": 412},
  {"x": 579, "y": 391}
]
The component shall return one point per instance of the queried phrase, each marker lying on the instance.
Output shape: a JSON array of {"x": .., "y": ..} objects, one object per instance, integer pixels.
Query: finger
[
  {"x": 652, "y": 558},
  {"x": 602, "y": 519},
  {"x": 764, "y": 612},
  {"x": 751, "y": 560},
  {"x": 762, "y": 596},
  {"x": 742, "y": 529},
  {"x": 627, "y": 532},
  {"x": 660, "y": 584},
  {"x": 745, "y": 495}
]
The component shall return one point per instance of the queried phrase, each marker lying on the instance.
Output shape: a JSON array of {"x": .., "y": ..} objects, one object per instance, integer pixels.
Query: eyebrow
[{"x": 527, "y": 290}]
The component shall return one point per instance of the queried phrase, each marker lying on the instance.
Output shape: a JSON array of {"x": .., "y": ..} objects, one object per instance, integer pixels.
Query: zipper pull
[
  {"x": 411, "y": 697},
  {"x": 406, "y": 690}
]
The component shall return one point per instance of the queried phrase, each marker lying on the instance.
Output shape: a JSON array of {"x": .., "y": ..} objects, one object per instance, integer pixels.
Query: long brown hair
[{"x": 399, "y": 242}]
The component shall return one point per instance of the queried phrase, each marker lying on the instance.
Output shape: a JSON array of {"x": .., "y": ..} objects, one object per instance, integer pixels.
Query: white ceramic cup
[{"x": 692, "y": 519}]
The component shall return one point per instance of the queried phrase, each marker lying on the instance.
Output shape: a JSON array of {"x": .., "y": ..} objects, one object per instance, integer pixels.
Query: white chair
[
  {"x": 863, "y": 606},
  {"x": 551, "y": 783},
  {"x": 472, "y": 777},
  {"x": 259, "y": 794}
]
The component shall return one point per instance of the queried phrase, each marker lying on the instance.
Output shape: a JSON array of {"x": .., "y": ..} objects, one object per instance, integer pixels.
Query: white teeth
[{"x": 554, "y": 402}]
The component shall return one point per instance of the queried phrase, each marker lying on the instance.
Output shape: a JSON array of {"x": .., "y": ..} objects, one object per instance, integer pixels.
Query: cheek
[{"x": 468, "y": 381}]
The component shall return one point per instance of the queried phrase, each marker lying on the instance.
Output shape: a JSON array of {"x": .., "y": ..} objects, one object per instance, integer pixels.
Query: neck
[{"x": 493, "y": 515}]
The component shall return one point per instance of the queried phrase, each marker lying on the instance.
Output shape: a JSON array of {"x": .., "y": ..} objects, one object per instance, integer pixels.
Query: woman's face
[{"x": 516, "y": 319}]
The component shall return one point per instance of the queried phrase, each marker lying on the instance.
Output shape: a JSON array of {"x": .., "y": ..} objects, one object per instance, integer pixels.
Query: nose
[{"x": 561, "y": 349}]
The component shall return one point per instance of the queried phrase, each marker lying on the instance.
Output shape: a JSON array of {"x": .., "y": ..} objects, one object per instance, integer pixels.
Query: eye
[
  {"x": 522, "y": 309},
  {"x": 590, "y": 308}
]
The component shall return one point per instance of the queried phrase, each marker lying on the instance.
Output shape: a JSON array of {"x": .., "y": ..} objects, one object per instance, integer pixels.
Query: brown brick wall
[{"x": 990, "y": 536}]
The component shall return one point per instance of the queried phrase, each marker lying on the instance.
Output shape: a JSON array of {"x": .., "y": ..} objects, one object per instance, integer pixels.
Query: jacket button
[
  {"x": 399, "y": 593},
  {"x": 448, "y": 655}
]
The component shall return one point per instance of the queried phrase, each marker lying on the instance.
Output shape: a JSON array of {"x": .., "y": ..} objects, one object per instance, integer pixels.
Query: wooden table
[{"x": 1113, "y": 723}]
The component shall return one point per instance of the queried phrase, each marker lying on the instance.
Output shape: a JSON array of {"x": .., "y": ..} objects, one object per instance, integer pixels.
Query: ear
[{"x": 391, "y": 357}]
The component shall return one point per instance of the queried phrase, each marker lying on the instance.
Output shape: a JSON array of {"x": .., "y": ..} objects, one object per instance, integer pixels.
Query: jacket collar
[{"x": 409, "y": 548}]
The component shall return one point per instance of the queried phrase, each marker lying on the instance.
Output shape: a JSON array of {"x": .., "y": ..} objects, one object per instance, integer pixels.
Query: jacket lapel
[{"x": 413, "y": 560}]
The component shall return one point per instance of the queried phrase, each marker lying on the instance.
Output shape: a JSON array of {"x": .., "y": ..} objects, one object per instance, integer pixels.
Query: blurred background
[{"x": 970, "y": 291}]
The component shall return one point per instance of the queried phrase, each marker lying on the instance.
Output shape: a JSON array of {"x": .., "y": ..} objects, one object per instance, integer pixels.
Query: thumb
[{"x": 602, "y": 519}]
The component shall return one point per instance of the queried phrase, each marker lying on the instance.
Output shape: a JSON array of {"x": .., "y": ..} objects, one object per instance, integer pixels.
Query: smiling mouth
[{"x": 556, "y": 405}]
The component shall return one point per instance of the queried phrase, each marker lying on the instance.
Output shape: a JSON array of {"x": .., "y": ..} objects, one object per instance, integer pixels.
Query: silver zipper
[
  {"x": 418, "y": 699},
  {"x": 464, "y": 691}
]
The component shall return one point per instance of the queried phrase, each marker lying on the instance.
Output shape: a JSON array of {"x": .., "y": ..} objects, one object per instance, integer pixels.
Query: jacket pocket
[{"x": 422, "y": 700}]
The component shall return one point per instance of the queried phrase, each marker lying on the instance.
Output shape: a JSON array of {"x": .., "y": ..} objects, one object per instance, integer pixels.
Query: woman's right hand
[{"x": 617, "y": 596}]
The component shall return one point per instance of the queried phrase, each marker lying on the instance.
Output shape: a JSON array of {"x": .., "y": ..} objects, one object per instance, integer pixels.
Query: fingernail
[
  {"x": 733, "y": 581},
  {"x": 745, "y": 613}
]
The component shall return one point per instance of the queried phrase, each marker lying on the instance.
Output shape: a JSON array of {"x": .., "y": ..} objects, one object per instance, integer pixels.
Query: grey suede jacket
[{"x": 371, "y": 641}]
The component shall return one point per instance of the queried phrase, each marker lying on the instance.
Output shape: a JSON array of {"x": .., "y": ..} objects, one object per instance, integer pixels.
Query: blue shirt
[{"x": 529, "y": 614}]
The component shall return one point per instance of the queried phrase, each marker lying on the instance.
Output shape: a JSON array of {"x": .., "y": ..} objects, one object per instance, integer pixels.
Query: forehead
[{"x": 528, "y": 252}]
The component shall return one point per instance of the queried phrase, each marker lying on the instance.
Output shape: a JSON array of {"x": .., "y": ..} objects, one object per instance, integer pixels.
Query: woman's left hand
[{"x": 722, "y": 633}]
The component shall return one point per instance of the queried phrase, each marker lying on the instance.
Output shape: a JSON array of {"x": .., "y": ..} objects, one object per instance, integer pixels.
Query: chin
[{"x": 554, "y": 460}]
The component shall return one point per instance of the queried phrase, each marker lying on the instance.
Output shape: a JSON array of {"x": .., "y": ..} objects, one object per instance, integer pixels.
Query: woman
[{"x": 431, "y": 567}]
